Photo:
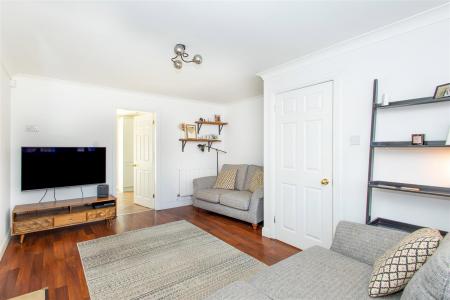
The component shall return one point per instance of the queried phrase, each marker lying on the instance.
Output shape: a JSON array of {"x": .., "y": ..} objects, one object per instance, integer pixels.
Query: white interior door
[
  {"x": 304, "y": 158},
  {"x": 144, "y": 165}
]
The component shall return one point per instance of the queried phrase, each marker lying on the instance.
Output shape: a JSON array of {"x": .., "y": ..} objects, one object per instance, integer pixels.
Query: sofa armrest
[
  {"x": 204, "y": 183},
  {"x": 364, "y": 243},
  {"x": 258, "y": 194}
]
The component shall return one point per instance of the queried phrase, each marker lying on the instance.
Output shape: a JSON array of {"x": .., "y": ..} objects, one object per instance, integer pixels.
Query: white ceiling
[{"x": 128, "y": 44}]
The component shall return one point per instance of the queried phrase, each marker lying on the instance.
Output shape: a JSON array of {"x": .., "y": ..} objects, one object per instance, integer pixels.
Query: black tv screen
[{"x": 51, "y": 167}]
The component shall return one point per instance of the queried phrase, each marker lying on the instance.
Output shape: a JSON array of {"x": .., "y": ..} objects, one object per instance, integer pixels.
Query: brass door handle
[{"x": 324, "y": 181}]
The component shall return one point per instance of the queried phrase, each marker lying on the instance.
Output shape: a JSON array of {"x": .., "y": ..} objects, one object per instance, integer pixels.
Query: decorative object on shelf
[
  {"x": 181, "y": 56},
  {"x": 217, "y": 118},
  {"x": 442, "y": 91},
  {"x": 202, "y": 148},
  {"x": 447, "y": 142},
  {"x": 191, "y": 131},
  {"x": 418, "y": 139},
  {"x": 183, "y": 126}
]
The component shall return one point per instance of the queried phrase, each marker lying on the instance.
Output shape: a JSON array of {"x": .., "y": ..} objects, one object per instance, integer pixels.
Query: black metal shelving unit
[{"x": 398, "y": 186}]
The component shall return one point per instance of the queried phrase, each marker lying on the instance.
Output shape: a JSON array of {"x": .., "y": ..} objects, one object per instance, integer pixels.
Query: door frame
[
  {"x": 156, "y": 148},
  {"x": 272, "y": 87}
]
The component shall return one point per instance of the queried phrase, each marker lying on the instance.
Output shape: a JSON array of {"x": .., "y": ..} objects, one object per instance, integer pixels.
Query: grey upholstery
[
  {"x": 251, "y": 171},
  {"x": 432, "y": 281},
  {"x": 316, "y": 273},
  {"x": 240, "y": 290},
  {"x": 236, "y": 199},
  {"x": 364, "y": 243},
  {"x": 240, "y": 176},
  {"x": 344, "y": 271},
  {"x": 239, "y": 203},
  {"x": 211, "y": 195}
]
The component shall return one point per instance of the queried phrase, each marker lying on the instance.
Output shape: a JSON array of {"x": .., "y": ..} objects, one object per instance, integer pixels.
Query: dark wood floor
[{"x": 50, "y": 259}]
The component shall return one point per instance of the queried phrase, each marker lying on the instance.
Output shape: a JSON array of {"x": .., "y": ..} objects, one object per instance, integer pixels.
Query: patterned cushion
[
  {"x": 257, "y": 181},
  {"x": 251, "y": 171},
  {"x": 240, "y": 177},
  {"x": 226, "y": 179},
  {"x": 392, "y": 271},
  {"x": 432, "y": 281}
]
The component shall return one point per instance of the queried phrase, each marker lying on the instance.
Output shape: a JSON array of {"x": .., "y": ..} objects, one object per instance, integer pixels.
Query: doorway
[
  {"x": 135, "y": 161},
  {"x": 304, "y": 166}
]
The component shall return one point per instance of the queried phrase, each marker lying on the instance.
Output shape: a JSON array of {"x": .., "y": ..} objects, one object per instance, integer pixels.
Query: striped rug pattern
[{"x": 172, "y": 261}]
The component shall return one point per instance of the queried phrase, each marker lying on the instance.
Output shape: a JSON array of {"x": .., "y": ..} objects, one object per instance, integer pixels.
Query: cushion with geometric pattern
[
  {"x": 226, "y": 179},
  {"x": 257, "y": 181},
  {"x": 393, "y": 270}
]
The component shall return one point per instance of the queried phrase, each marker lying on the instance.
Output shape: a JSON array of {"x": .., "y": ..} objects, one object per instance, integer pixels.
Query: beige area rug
[{"x": 172, "y": 261}]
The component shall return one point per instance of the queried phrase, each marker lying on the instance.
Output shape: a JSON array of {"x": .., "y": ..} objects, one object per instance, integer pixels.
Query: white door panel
[
  {"x": 144, "y": 166},
  {"x": 304, "y": 155}
]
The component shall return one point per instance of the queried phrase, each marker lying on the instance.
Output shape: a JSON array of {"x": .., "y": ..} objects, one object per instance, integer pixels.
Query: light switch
[
  {"x": 355, "y": 140},
  {"x": 31, "y": 129}
]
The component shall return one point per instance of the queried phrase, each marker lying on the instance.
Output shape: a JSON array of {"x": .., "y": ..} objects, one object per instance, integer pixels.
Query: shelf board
[
  {"x": 411, "y": 188},
  {"x": 412, "y": 102},
  {"x": 199, "y": 140},
  {"x": 209, "y": 141},
  {"x": 407, "y": 144},
  {"x": 386, "y": 223},
  {"x": 211, "y": 123}
]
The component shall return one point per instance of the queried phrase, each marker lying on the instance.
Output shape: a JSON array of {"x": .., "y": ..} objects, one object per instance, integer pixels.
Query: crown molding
[{"x": 425, "y": 18}]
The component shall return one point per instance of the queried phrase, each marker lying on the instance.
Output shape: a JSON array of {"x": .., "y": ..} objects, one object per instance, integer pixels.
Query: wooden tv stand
[{"x": 36, "y": 217}]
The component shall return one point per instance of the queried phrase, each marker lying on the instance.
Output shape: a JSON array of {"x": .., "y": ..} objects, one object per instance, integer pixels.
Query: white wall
[
  {"x": 410, "y": 59},
  {"x": 72, "y": 114},
  {"x": 245, "y": 132},
  {"x": 5, "y": 102}
]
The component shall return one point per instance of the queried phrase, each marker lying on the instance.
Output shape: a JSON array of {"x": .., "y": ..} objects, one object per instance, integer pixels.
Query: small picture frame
[
  {"x": 191, "y": 131},
  {"x": 442, "y": 91},
  {"x": 418, "y": 139}
]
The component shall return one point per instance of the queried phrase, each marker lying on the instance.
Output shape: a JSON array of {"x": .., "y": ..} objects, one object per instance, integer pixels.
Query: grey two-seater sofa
[
  {"x": 344, "y": 271},
  {"x": 239, "y": 203}
]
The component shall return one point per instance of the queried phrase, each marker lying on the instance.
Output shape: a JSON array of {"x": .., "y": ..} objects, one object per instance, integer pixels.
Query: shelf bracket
[
  {"x": 220, "y": 129},
  {"x": 199, "y": 126},
  {"x": 209, "y": 146},
  {"x": 183, "y": 144}
]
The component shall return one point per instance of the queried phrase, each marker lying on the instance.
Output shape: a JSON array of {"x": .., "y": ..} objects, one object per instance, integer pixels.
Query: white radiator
[{"x": 186, "y": 178}]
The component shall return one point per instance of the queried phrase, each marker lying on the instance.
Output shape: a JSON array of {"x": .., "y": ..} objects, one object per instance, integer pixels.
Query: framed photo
[
  {"x": 418, "y": 139},
  {"x": 442, "y": 91},
  {"x": 191, "y": 131}
]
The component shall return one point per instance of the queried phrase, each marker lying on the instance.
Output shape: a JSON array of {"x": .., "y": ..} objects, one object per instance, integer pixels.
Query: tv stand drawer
[
  {"x": 32, "y": 225},
  {"x": 70, "y": 219},
  {"x": 101, "y": 213}
]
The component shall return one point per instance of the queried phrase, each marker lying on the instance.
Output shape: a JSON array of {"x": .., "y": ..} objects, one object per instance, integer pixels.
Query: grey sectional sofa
[
  {"x": 344, "y": 271},
  {"x": 239, "y": 203}
]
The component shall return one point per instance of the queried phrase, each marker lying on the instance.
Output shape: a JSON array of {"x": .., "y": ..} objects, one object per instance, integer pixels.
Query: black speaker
[{"x": 102, "y": 190}]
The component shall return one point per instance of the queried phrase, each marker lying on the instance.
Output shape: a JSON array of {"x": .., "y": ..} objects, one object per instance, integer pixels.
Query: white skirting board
[{"x": 4, "y": 244}]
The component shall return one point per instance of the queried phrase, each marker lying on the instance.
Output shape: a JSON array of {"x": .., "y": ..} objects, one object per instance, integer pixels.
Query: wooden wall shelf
[
  {"x": 219, "y": 124},
  {"x": 185, "y": 141},
  {"x": 36, "y": 217},
  {"x": 407, "y": 144}
]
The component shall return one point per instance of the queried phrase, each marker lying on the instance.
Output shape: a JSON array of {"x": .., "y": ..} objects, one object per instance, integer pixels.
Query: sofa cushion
[
  {"x": 210, "y": 195},
  {"x": 257, "y": 181},
  {"x": 236, "y": 199},
  {"x": 432, "y": 281},
  {"x": 316, "y": 273},
  {"x": 226, "y": 179},
  {"x": 238, "y": 290},
  {"x": 393, "y": 270},
  {"x": 241, "y": 175},
  {"x": 250, "y": 173}
]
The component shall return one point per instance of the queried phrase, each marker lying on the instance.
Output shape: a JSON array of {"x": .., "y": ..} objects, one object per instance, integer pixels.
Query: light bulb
[
  {"x": 178, "y": 64},
  {"x": 197, "y": 59}
]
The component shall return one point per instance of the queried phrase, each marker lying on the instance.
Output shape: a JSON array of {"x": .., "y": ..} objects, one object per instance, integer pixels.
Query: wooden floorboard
[{"x": 50, "y": 259}]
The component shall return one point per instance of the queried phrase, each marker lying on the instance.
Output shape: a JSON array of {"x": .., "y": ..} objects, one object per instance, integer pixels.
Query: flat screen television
[{"x": 51, "y": 167}]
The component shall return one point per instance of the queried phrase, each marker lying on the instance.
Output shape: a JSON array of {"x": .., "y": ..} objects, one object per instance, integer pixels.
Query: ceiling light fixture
[{"x": 181, "y": 56}]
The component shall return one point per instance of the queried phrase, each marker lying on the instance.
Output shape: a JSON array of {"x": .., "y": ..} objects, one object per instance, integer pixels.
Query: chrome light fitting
[{"x": 181, "y": 56}]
